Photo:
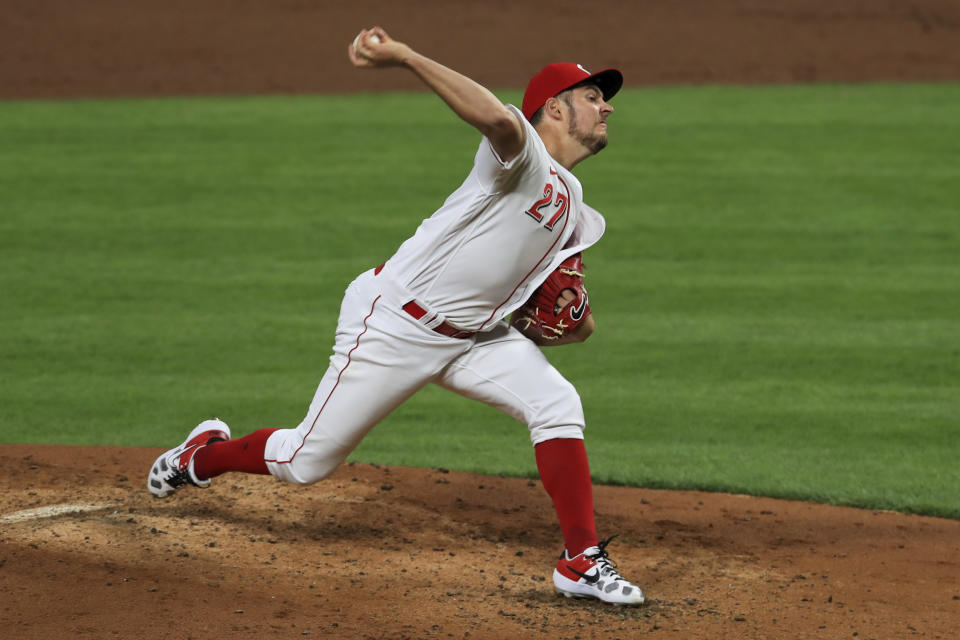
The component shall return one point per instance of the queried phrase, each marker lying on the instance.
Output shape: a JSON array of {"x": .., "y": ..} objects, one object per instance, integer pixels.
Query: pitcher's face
[{"x": 588, "y": 117}]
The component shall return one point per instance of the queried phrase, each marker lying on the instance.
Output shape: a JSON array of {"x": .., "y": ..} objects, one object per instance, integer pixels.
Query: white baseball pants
[{"x": 382, "y": 356}]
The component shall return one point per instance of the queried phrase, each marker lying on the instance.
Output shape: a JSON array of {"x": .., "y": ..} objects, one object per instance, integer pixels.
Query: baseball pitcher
[{"x": 464, "y": 303}]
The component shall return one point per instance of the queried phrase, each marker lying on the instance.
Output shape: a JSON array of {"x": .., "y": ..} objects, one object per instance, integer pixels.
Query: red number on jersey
[
  {"x": 561, "y": 206},
  {"x": 534, "y": 211}
]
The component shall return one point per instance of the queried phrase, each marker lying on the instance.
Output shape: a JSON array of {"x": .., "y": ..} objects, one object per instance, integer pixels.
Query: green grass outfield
[{"x": 777, "y": 295}]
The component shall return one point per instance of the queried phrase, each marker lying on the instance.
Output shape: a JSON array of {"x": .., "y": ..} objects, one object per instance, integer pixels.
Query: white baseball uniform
[{"x": 434, "y": 313}]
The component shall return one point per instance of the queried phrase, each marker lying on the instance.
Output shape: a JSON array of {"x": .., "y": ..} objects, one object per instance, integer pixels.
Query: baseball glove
[{"x": 559, "y": 305}]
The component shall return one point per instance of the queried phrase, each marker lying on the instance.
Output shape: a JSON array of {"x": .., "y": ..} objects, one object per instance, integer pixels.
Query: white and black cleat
[
  {"x": 591, "y": 574},
  {"x": 174, "y": 468}
]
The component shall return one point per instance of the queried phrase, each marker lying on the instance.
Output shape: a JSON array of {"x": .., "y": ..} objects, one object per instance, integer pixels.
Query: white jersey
[{"x": 497, "y": 237}]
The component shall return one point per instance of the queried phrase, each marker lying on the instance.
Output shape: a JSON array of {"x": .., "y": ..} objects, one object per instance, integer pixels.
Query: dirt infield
[{"x": 380, "y": 552}]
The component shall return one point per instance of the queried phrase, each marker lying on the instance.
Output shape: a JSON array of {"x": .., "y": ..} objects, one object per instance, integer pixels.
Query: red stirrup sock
[
  {"x": 243, "y": 454},
  {"x": 565, "y": 474}
]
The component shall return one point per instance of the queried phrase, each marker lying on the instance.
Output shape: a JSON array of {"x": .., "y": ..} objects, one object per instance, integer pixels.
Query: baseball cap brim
[{"x": 609, "y": 80}]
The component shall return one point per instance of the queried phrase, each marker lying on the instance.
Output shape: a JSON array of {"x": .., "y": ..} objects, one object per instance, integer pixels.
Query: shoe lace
[
  {"x": 172, "y": 475},
  {"x": 606, "y": 566}
]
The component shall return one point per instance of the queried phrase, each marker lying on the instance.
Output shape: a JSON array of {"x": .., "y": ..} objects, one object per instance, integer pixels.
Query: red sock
[
  {"x": 243, "y": 454},
  {"x": 565, "y": 473}
]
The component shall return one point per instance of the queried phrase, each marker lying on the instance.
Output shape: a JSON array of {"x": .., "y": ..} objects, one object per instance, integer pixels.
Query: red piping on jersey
[
  {"x": 329, "y": 395},
  {"x": 566, "y": 219}
]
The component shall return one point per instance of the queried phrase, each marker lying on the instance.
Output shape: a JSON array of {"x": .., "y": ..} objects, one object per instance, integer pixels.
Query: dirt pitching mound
[{"x": 377, "y": 552}]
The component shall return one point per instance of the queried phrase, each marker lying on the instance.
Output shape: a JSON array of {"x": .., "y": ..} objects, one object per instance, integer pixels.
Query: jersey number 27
[{"x": 559, "y": 205}]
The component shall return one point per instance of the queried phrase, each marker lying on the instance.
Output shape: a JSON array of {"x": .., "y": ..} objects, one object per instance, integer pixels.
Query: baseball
[{"x": 374, "y": 38}]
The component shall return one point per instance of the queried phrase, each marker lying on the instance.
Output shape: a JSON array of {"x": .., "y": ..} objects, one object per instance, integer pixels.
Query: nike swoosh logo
[
  {"x": 594, "y": 579},
  {"x": 576, "y": 313}
]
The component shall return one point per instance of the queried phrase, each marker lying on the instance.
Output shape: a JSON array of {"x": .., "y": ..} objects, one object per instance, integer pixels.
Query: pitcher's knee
[
  {"x": 314, "y": 469},
  {"x": 306, "y": 469},
  {"x": 564, "y": 407},
  {"x": 307, "y": 463},
  {"x": 560, "y": 417},
  {"x": 311, "y": 474}
]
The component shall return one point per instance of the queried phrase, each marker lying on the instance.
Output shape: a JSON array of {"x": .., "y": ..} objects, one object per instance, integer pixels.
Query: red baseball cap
[{"x": 558, "y": 77}]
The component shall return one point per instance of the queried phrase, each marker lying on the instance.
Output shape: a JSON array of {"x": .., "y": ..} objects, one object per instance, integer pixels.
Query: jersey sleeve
[{"x": 495, "y": 175}]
